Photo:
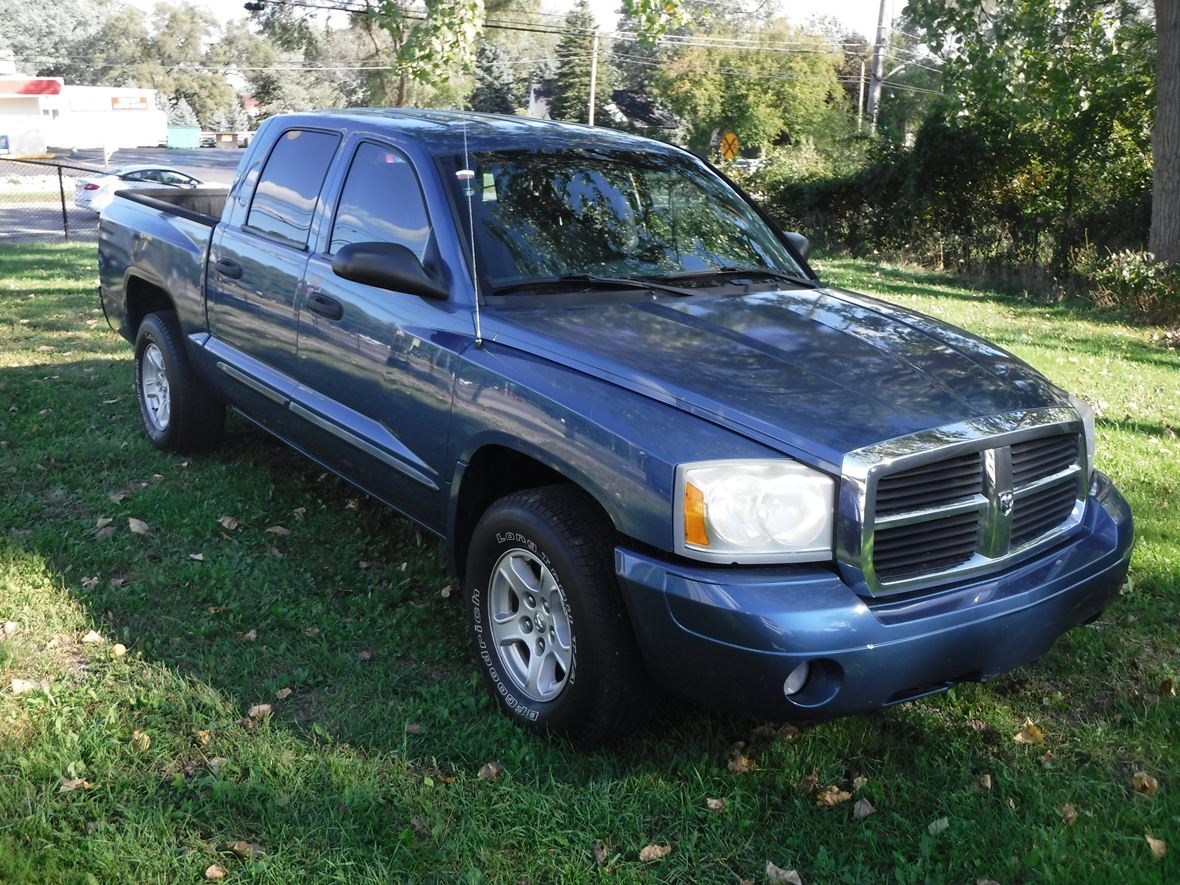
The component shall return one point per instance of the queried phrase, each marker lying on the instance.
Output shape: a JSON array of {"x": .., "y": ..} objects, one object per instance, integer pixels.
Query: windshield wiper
[
  {"x": 728, "y": 271},
  {"x": 587, "y": 281}
]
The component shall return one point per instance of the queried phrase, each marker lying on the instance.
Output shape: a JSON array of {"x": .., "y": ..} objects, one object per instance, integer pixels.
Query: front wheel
[
  {"x": 550, "y": 631},
  {"x": 179, "y": 411}
]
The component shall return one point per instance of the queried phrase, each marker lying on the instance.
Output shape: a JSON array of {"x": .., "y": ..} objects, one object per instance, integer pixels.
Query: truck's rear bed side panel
[{"x": 160, "y": 243}]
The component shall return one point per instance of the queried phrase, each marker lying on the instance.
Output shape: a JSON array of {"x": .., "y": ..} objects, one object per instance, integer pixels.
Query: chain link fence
[{"x": 37, "y": 202}]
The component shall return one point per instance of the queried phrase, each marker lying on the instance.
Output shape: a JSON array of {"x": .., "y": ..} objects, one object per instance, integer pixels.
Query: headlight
[
  {"x": 1087, "y": 415},
  {"x": 754, "y": 511}
]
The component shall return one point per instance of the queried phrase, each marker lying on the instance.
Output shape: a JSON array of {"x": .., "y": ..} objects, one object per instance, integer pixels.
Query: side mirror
[
  {"x": 801, "y": 243},
  {"x": 387, "y": 266}
]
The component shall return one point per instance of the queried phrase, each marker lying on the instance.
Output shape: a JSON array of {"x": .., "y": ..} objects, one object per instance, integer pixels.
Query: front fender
[{"x": 619, "y": 446}]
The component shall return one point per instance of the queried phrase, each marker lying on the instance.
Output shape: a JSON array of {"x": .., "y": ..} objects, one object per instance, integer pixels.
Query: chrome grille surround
[{"x": 993, "y": 436}]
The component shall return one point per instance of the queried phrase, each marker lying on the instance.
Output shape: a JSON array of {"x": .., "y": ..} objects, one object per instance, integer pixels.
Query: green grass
[{"x": 347, "y": 612}]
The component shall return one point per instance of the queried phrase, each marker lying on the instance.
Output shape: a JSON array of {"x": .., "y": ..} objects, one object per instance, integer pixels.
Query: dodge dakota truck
[{"x": 660, "y": 450}]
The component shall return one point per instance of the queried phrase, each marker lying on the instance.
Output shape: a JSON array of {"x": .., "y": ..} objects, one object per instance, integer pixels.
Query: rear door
[
  {"x": 376, "y": 367},
  {"x": 255, "y": 272}
]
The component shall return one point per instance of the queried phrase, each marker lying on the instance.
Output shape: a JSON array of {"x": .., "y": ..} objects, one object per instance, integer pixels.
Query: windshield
[{"x": 622, "y": 215}]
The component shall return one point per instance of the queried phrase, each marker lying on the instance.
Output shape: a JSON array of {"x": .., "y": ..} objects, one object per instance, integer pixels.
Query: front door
[{"x": 376, "y": 367}]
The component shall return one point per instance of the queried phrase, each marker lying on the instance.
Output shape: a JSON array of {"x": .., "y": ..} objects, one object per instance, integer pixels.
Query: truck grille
[{"x": 960, "y": 505}]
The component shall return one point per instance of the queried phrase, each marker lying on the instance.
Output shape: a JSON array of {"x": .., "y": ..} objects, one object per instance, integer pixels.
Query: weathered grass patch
[{"x": 346, "y": 611}]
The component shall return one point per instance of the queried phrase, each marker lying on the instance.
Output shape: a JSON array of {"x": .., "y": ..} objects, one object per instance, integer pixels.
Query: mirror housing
[
  {"x": 801, "y": 243},
  {"x": 387, "y": 266}
]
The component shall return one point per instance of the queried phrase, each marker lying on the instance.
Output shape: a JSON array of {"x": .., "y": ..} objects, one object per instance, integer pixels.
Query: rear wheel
[
  {"x": 179, "y": 411},
  {"x": 550, "y": 629}
]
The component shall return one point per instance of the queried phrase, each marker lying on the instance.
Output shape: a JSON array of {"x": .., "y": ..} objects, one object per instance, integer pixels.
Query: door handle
[
  {"x": 228, "y": 268},
  {"x": 329, "y": 308}
]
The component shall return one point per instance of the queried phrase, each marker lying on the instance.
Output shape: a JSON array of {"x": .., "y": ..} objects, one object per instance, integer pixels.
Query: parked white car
[{"x": 95, "y": 192}]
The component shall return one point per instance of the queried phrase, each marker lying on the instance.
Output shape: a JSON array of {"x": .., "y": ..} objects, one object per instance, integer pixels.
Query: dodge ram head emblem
[{"x": 1007, "y": 502}]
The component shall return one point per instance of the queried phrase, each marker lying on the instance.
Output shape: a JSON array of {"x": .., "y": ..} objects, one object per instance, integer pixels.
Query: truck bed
[{"x": 202, "y": 205}]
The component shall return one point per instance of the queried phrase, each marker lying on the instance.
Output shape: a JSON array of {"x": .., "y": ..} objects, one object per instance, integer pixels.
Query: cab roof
[{"x": 442, "y": 132}]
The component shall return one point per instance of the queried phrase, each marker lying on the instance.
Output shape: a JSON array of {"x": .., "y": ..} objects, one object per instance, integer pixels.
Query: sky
[{"x": 860, "y": 15}]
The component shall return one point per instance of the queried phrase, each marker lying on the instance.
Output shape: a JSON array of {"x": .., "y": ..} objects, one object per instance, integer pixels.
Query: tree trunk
[{"x": 1165, "y": 191}]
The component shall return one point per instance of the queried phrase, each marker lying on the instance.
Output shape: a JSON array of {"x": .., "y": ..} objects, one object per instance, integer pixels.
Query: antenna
[{"x": 466, "y": 175}]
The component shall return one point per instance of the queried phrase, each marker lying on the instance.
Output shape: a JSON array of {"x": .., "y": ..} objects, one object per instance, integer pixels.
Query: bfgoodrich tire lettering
[{"x": 586, "y": 682}]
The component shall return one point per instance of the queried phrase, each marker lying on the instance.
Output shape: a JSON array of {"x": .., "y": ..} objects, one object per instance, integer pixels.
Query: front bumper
[{"x": 729, "y": 637}]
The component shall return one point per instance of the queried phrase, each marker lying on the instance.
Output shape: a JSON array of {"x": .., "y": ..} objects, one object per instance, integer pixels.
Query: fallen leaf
[
  {"x": 69, "y": 784},
  {"x": 92, "y": 636},
  {"x": 103, "y": 521},
  {"x": 940, "y": 825},
  {"x": 1167, "y": 688},
  {"x": 213, "y": 872},
  {"x": 140, "y": 740},
  {"x": 228, "y": 523},
  {"x": 283, "y": 693},
  {"x": 986, "y": 882},
  {"x": 245, "y": 850},
  {"x": 119, "y": 649},
  {"x": 116, "y": 583},
  {"x": 90, "y": 583},
  {"x": 118, "y": 497},
  {"x": 217, "y": 763},
  {"x": 258, "y": 711},
  {"x": 198, "y": 557},
  {"x": 490, "y": 771},
  {"x": 445, "y": 592},
  {"x": 312, "y": 631},
  {"x": 21, "y": 686},
  {"x": 104, "y": 533},
  {"x": 715, "y": 804},
  {"x": 278, "y": 530},
  {"x": 831, "y": 796},
  {"x": 137, "y": 526},
  {"x": 1144, "y": 783},
  {"x": 858, "y": 783},
  {"x": 600, "y": 852},
  {"x": 807, "y": 784},
  {"x": 1029, "y": 734},
  {"x": 419, "y": 827},
  {"x": 9, "y": 628},
  {"x": 204, "y": 737},
  {"x": 414, "y": 728},
  {"x": 250, "y": 635},
  {"x": 979, "y": 725},
  {"x": 985, "y": 781},
  {"x": 300, "y": 512},
  {"x": 740, "y": 764},
  {"x": 862, "y": 808},
  {"x": 1159, "y": 848},
  {"x": 364, "y": 655},
  {"x": 654, "y": 852},
  {"x": 1069, "y": 814},
  {"x": 779, "y": 876}
]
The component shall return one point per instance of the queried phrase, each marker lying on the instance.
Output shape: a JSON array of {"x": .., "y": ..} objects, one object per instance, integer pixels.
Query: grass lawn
[{"x": 145, "y": 766}]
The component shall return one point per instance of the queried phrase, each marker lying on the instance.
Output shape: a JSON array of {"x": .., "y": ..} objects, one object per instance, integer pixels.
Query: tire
[
  {"x": 551, "y": 544},
  {"x": 179, "y": 411}
]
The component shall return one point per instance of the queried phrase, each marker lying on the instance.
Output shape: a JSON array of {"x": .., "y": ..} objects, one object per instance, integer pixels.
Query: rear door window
[
  {"x": 381, "y": 201},
  {"x": 289, "y": 186}
]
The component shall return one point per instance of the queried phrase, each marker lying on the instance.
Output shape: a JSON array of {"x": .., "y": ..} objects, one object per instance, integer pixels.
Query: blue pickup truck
[{"x": 659, "y": 449}]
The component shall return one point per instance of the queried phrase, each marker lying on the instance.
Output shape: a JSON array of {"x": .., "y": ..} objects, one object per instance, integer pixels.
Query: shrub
[{"x": 1130, "y": 280}]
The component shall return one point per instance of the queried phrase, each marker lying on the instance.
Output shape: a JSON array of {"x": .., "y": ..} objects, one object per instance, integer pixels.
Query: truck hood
[{"x": 810, "y": 372}]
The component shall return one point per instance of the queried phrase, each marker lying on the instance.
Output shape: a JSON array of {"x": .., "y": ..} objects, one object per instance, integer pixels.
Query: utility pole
[
  {"x": 878, "y": 68},
  {"x": 860, "y": 100},
  {"x": 593, "y": 75}
]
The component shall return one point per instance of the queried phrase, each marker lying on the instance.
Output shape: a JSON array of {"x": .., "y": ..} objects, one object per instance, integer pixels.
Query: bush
[{"x": 1132, "y": 281}]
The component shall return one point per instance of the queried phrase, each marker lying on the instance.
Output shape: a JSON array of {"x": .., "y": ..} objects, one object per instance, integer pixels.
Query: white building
[{"x": 37, "y": 112}]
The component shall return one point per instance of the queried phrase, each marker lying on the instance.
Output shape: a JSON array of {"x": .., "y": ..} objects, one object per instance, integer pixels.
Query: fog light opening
[{"x": 797, "y": 679}]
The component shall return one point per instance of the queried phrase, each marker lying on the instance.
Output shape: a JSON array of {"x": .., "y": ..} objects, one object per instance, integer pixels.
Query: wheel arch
[
  {"x": 496, "y": 469},
  {"x": 143, "y": 295}
]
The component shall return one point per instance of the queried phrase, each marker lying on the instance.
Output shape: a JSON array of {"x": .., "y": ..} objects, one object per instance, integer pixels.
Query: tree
[
  {"x": 1165, "y": 195},
  {"x": 1063, "y": 91},
  {"x": 571, "y": 98},
  {"x": 495, "y": 81},
  {"x": 180, "y": 113}
]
